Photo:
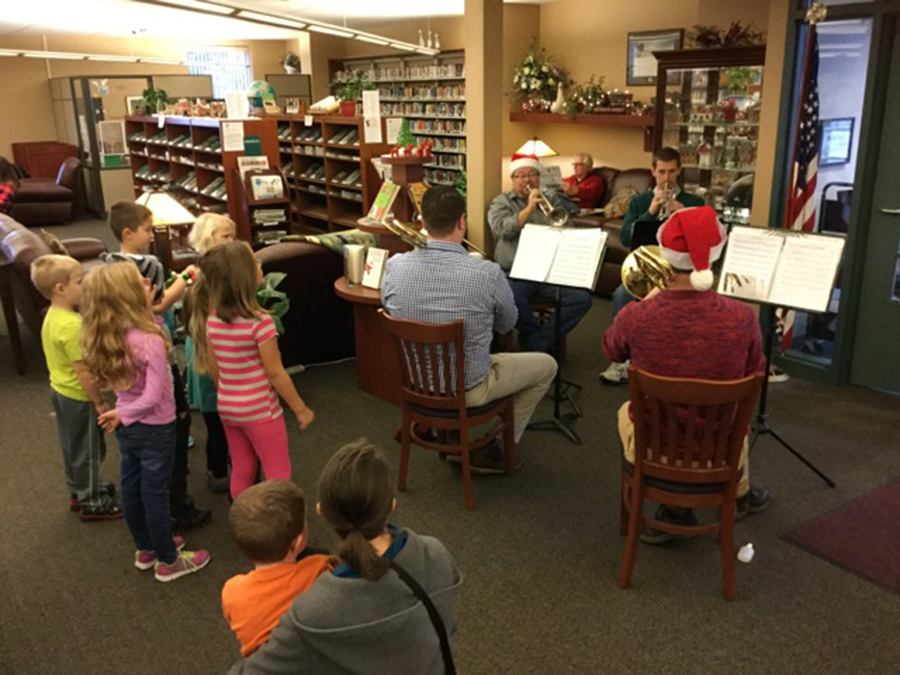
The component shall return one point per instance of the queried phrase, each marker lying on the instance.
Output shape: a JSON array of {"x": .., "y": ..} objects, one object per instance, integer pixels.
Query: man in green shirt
[{"x": 646, "y": 207}]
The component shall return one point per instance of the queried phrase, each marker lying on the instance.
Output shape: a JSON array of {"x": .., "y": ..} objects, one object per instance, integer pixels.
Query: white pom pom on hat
[{"x": 693, "y": 239}]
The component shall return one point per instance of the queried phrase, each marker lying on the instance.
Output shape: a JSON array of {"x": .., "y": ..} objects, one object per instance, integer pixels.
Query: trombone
[
  {"x": 416, "y": 238},
  {"x": 557, "y": 215}
]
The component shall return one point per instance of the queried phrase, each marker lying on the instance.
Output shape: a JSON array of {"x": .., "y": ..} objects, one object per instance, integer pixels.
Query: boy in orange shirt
[{"x": 268, "y": 524}]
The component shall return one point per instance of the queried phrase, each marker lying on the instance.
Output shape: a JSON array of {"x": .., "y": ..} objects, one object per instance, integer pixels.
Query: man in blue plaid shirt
[{"x": 441, "y": 283}]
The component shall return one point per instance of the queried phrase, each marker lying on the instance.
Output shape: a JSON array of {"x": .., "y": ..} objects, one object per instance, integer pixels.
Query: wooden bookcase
[
  {"x": 430, "y": 91},
  {"x": 315, "y": 166},
  {"x": 186, "y": 155}
]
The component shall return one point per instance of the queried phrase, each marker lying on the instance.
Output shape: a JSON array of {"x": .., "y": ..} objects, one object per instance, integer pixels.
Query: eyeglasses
[
  {"x": 525, "y": 176},
  {"x": 578, "y": 164}
]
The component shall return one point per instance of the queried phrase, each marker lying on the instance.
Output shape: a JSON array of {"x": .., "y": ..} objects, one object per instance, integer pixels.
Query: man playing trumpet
[
  {"x": 652, "y": 206},
  {"x": 507, "y": 215}
]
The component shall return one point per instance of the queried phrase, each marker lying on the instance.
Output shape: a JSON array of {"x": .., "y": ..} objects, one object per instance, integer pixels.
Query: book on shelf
[
  {"x": 383, "y": 202},
  {"x": 267, "y": 187},
  {"x": 374, "y": 269}
]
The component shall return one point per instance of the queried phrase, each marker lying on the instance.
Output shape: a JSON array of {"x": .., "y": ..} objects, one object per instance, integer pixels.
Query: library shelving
[
  {"x": 430, "y": 92},
  {"x": 185, "y": 156}
]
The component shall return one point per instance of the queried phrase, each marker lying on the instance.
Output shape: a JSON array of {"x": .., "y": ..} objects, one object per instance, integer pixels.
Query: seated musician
[
  {"x": 507, "y": 215},
  {"x": 584, "y": 187},
  {"x": 689, "y": 330},
  {"x": 651, "y": 206},
  {"x": 441, "y": 283}
]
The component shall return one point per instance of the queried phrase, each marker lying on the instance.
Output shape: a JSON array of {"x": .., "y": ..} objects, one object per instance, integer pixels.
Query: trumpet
[
  {"x": 668, "y": 199},
  {"x": 417, "y": 239},
  {"x": 557, "y": 216},
  {"x": 645, "y": 268}
]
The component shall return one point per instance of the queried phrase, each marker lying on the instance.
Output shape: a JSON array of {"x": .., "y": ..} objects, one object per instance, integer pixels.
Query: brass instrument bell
[
  {"x": 644, "y": 269},
  {"x": 556, "y": 215}
]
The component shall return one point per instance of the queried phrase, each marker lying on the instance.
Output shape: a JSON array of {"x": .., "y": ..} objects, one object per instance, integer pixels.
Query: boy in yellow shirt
[{"x": 76, "y": 398}]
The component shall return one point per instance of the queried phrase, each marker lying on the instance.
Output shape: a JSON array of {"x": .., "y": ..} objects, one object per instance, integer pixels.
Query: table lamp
[
  {"x": 537, "y": 148},
  {"x": 168, "y": 214}
]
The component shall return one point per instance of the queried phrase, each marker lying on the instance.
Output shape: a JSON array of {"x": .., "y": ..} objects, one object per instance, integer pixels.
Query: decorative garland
[{"x": 705, "y": 36}]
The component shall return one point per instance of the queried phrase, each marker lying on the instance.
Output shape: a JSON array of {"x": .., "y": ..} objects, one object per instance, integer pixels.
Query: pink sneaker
[
  {"x": 145, "y": 560},
  {"x": 187, "y": 562}
]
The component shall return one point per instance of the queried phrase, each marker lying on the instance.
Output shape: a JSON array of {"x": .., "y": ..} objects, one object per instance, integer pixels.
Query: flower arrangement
[
  {"x": 707, "y": 36},
  {"x": 588, "y": 97},
  {"x": 536, "y": 78}
]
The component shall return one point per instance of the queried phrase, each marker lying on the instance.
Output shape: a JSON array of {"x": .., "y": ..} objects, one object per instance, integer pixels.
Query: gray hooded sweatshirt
[{"x": 344, "y": 626}]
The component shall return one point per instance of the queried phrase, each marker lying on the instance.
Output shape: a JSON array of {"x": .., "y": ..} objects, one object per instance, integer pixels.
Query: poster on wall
[
  {"x": 111, "y": 139},
  {"x": 642, "y": 65}
]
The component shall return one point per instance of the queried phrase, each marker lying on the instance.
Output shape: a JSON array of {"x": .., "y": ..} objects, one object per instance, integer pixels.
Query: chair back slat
[
  {"x": 432, "y": 361},
  {"x": 690, "y": 430}
]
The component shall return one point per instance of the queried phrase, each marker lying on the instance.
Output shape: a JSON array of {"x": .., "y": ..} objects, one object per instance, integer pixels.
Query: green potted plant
[
  {"x": 154, "y": 100},
  {"x": 349, "y": 91}
]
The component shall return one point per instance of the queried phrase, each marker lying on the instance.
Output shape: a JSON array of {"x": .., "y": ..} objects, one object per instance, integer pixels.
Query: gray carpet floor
[{"x": 540, "y": 553}]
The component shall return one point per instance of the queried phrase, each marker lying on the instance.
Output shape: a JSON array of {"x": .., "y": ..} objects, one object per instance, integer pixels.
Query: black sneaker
[
  {"x": 756, "y": 500},
  {"x": 108, "y": 511},
  {"x": 669, "y": 514},
  {"x": 190, "y": 518}
]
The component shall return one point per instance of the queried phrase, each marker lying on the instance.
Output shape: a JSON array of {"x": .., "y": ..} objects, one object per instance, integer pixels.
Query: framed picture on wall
[
  {"x": 132, "y": 103},
  {"x": 641, "y": 68}
]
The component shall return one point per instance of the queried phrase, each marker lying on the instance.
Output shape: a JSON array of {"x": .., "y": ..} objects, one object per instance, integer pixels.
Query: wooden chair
[
  {"x": 431, "y": 359},
  {"x": 688, "y": 436}
]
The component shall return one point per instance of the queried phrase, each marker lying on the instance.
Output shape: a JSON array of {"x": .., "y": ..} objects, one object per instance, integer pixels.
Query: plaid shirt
[
  {"x": 441, "y": 283},
  {"x": 7, "y": 192}
]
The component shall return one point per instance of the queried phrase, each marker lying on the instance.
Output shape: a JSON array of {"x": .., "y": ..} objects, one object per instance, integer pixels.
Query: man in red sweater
[
  {"x": 689, "y": 330},
  {"x": 583, "y": 187}
]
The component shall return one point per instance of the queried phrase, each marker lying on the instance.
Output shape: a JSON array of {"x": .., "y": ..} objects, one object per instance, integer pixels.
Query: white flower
[
  {"x": 551, "y": 81},
  {"x": 545, "y": 69},
  {"x": 524, "y": 85},
  {"x": 526, "y": 70}
]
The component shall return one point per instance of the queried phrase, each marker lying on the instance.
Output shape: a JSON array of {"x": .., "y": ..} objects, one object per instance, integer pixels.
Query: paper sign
[
  {"x": 246, "y": 164},
  {"x": 307, "y": 120},
  {"x": 393, "y": 128},
  {"x": 236, "y": 105},
  {"x": 233, "y": 136},
  {"x": 372, "y": 116}
]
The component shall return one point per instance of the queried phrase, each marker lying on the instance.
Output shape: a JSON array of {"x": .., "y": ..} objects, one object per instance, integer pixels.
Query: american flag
[{"x": 800, "y": 213}]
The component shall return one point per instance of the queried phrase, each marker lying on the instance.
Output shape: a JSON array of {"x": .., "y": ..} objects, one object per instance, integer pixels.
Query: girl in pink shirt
[
  {"x": 238, "y": 346},
  {"x": 126, "y": 350}
]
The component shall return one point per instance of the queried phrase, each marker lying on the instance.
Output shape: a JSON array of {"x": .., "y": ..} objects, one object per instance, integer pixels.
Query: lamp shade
[
  {"x": 166, "y": 209},
  {"x": 536, "y": 148}
]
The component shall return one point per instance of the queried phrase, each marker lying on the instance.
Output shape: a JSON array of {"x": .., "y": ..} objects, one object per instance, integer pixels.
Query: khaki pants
[
  {"x": 626, "y": 432},
  {"x": 524, "y": 376}
]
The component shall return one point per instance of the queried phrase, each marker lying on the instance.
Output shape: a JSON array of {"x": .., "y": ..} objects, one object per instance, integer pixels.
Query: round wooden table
[{"x": 376, "y": 359}]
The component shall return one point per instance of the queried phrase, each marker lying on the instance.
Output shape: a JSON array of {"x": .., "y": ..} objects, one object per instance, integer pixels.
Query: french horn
[{"x": 644, "y": 269}]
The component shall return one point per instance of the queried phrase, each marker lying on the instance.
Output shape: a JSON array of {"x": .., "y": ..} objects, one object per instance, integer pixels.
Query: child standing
[
  {"x": 76, "y": 398},
  {"x": 239, "y": 349},
  {"x": 132, "y": 225},
  {"x": 208, "y": 230},
  {"x": 268, "y": 524},
  {"x": 365, "y": 602},
  {"x": 127, "y": 351}
]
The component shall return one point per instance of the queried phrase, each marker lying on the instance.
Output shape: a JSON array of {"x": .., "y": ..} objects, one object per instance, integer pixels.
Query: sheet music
[
  {"x": 535, "y": 252},
  {"x": 806, "y": 272},
  {"x": 750, "y": 261},
  {"x": 577, "y": 259}
]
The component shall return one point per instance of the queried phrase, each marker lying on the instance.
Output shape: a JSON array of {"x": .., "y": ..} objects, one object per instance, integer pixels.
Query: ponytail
[{"x": 356, "y": 496}]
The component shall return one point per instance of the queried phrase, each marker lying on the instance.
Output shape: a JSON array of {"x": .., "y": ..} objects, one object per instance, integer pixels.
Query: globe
[{"x": 260, "y": 91}]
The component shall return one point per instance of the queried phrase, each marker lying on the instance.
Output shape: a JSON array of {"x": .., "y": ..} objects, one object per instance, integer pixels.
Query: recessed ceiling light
[
  {"x": 270, "y": 19},
  {"x": 198, "y": 5},
  {"x": 330, "y": 31}
]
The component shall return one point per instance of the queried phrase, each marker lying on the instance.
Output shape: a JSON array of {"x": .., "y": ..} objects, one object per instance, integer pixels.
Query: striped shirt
[{"x": 245, "y": 395}]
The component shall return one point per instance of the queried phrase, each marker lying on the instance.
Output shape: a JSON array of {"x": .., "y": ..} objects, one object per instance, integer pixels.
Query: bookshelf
[
  {"x": 330, "y": 179},
  {"x": 185, "y": 156},
  {"x": 430, "y": 91}
]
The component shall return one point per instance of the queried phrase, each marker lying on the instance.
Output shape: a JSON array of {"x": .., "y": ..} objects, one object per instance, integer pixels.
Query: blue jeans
[
  {"x": 620, "y": 298},
  {"x": 148, "y": 451},
  {"x": 540, "y": 337}
]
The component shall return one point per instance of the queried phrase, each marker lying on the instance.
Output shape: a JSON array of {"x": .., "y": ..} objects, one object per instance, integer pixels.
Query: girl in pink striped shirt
[{"x": 239, "y": 349}]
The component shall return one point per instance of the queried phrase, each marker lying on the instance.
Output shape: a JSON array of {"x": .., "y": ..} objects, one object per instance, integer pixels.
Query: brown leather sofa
[
  {"x": 39, "y": 201},
  {"x": 318, "y": 328},
  {"x": 19, "y": 246},
  {"x": 615, "y": 179}
]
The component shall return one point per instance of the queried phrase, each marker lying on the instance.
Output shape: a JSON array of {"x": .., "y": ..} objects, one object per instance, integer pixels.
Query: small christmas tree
[{"x": 405, "y": 136}]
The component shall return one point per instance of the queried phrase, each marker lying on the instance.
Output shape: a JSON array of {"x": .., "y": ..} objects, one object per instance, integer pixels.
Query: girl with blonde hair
[
  {"x": 209, "y": 230},
  {"x": 237, "y": 344},
  {"x": 126, "y": 350}
]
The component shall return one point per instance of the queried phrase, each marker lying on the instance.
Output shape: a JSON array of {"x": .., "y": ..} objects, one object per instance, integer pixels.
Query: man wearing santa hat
[
  {"x": 507, "y": 215},
  {"x": 688, "y": 330}
]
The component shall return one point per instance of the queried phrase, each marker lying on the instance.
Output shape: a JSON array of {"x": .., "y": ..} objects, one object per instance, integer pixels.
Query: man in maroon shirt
[
  {"x": 689, "y": 330},
  {"x": 583, "y": 187}
]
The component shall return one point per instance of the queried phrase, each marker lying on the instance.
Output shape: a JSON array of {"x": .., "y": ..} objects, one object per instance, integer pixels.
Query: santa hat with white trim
[
  {"x": 524, "y": 162},
  {"x": 693, "y": 239}
]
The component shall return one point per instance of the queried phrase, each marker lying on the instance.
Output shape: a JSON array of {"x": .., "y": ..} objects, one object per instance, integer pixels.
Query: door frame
[{"x": 884, "y": 14}]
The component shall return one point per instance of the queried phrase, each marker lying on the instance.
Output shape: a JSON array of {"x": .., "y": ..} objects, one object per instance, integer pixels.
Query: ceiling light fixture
[
  {"x": 119, "y": 59},
  {"x": 374, "y": 41},
  {"x": 55, "y": 55},
  {"x": 160, "y": 62},
  {"x": 197, "y": 5},
  {"x": 409, "y": 48},
  {"x": 330, "y": 31},
  {"x": 9, "y": 52},
  {"x": 270, "y": 19}
]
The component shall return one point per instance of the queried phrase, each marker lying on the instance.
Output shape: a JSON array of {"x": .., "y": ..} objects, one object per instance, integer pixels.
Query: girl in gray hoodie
[{"x": 362, "y": 619}]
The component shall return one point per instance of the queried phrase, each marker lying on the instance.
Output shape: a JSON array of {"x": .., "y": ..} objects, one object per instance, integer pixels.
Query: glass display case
[{"x": 708, "y": 108}]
